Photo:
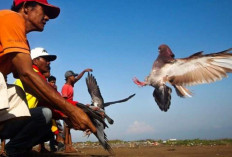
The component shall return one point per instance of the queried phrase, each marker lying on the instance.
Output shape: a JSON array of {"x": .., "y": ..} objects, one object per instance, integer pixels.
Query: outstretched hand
[{"x": 88, "y": 70}]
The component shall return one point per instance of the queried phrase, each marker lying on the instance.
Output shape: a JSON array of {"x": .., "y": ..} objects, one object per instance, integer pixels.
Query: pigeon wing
[
  {"x": 199, "y": 68},
  {"x": 119, "y": 101},
  {"x": 94, "y": 91}
]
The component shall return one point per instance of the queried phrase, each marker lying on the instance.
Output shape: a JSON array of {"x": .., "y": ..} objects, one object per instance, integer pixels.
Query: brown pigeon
[{"x": 196, "y": 69}]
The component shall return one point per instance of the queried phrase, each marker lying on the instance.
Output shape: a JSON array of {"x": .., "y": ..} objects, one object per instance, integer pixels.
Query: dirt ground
[{"x": 159, "y": 151}]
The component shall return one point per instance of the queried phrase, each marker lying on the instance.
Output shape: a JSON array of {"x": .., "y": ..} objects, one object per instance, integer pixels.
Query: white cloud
[{"x": 139, "y": 128}]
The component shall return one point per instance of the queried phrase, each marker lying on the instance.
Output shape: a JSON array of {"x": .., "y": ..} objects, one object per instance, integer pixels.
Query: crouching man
[{"x": 26, "y": 128}]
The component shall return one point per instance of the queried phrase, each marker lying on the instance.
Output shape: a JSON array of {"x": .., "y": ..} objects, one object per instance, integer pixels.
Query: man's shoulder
[
  {"x": 66, "y": 86},
  {"x": 9, "y": 17},
  {"x": 8, "y": 13}
]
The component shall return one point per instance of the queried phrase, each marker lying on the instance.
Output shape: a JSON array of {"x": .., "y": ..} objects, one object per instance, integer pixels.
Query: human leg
[
  {"x": 26, "y": 133},
  {"x": 3, "y": 142},
  {"x": 68, "y": 142},
  {"x": 42, "y": 148},
  {"x": 17, "y": 104}
]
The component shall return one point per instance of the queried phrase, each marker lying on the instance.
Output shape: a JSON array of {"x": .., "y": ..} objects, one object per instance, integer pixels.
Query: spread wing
[
  {"x": 94, "y": 91},
  {"x": 119, "y": 101},
  {"x": 199, "y": 68}
]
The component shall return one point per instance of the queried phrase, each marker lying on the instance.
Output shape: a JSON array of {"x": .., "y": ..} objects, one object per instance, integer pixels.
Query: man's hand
[
  {"x": 80, "y": 120},
  {"x": 88, "y": 70},
  {"x": 87, "y": 132},
  {"x": 82, "y": 73},
  {"x": 96, "y": 108}
]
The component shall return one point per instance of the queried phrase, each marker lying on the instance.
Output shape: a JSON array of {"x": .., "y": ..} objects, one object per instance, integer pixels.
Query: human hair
[
  {"x": 51, "y": 78},
  {"x": 25, "y": 4}
]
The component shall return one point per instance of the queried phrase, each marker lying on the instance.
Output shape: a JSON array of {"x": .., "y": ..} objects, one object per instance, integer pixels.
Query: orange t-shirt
[{"x": 12, "y": 39}]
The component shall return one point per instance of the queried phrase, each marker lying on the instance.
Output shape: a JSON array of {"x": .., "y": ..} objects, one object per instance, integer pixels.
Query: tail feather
[
  {"x": 110, "y": 120},
  {"x": 162, "y": 95},
  {"x": 182, "y": 91}
]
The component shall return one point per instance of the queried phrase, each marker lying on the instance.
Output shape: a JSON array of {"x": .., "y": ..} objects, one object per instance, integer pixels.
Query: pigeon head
[
  {"x": 165, "y": 50},
  {"x": 166, "y": 53}
]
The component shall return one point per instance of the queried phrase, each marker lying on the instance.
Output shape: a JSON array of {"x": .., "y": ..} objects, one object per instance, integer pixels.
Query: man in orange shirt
[{"x": 26, "y": 128}]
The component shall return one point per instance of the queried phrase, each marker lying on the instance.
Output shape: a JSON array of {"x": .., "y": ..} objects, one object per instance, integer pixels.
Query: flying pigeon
[
  {"x": 98, "y": 101},
  {"x": 196, "y": 69}
]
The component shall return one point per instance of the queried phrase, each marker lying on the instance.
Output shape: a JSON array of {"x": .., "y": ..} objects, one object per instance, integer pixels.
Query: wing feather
[
  {"x": 119, "y": 101},
  {"x": 198, "y": 68},
  {"x": 94, "y": 91}
]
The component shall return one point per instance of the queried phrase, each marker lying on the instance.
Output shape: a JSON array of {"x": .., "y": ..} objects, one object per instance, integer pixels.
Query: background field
[{"x": 169, "y": 148}]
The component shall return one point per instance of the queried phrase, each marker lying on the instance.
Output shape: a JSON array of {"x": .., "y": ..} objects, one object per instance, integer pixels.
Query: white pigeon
[{"x": 196, "y": 69}]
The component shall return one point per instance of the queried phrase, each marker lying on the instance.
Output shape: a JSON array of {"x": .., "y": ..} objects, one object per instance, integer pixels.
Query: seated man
[{"x": 41, "y": 64}]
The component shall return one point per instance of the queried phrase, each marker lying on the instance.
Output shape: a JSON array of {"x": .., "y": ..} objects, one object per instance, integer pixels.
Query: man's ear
[
  {"x": 25, "y": 8},
  {"x": 34, "y": 61}
]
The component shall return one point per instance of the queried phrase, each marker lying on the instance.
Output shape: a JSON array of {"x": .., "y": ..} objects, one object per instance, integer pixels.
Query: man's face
[
  {"x": 47, "y": 74},
  {"x": 53, "y": 83},
  {"x": 72, "y": 78},
  {"x": 42, "y": 63},
  {"x": 37, "y": 17}
]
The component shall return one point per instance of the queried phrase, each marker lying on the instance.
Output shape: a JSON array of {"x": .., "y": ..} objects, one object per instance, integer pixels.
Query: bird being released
[
  {"x": 98, "y": 101},
  {"x": 196, "y": 69}
]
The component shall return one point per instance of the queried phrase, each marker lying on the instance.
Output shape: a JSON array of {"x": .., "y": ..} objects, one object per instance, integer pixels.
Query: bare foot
[
  {"x": 70, "y": 149},
  {"x": 59, "y": 139},
  {"x": 3, "y": 154},
  {"x": 42, "y": 149}
]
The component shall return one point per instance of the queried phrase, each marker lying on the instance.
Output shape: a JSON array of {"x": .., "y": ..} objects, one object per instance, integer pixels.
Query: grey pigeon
[
  {"x": 196, "y": 69},
  {"x": 98, "y": 101},
  {"x": 100, "y": 125}
]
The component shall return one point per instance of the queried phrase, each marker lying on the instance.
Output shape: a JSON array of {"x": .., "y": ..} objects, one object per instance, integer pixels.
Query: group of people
[{"x": 29, "y": 110}]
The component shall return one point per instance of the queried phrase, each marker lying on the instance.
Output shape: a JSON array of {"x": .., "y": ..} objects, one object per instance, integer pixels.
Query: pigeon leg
[{"x": 139, "y": 83}]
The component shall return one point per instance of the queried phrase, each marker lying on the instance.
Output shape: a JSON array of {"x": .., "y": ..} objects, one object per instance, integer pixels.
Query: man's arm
[
  {"x": 82, "y": 73},
  {"x": 35, "y": 85}
]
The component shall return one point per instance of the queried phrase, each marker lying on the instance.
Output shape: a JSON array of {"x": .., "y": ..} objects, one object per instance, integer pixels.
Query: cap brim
[
  {"x": 51, "y": 10},
  {"x": 50, "y": 57}
]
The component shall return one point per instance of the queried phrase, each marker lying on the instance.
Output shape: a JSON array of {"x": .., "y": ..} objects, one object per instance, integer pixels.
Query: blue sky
[{"x": 118, "y": 39}]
